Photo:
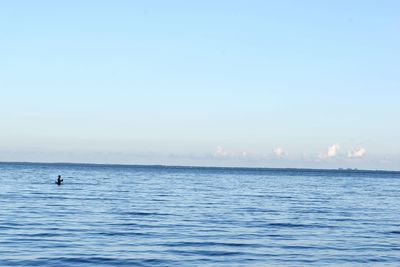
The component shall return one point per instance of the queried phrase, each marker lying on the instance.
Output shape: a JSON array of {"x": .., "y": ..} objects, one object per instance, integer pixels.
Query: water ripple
[{"x": 171, "y": 216}]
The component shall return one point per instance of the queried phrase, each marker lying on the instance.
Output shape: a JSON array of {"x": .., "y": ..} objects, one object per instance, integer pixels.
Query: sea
[{"x": 119, "y": 215}]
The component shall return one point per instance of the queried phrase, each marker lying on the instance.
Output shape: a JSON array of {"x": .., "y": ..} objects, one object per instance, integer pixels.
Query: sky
[{"x": 302, "y": 84}]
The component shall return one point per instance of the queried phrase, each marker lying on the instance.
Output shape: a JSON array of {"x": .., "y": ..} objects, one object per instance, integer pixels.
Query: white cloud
[
  {"x": 333, "y": 151},
  {"x": 357, "y": 153},
  {"x": 279, "y": 152},
  {"x": 220, "y": 152},
  {"x": 244, "y": 154}
]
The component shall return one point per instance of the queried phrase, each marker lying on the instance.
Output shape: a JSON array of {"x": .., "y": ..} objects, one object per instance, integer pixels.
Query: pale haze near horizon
[{"x": 308, "y": 84}]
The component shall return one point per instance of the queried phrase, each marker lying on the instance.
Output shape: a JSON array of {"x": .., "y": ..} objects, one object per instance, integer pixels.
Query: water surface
[{"x": 107, "y": 215}]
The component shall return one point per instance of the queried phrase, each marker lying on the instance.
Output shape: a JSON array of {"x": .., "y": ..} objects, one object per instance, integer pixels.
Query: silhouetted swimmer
[{"x": 59, "y": 180}]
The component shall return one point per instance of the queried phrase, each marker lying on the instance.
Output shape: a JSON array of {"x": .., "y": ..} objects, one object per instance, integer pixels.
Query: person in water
[{"x": 59, "y": 180}]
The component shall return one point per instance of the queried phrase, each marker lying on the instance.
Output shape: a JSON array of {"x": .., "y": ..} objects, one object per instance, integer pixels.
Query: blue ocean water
[{"x": 106, "y": 215}]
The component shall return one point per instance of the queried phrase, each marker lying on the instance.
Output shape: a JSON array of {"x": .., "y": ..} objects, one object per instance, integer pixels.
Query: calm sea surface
[{"x": 165, "y": 216}]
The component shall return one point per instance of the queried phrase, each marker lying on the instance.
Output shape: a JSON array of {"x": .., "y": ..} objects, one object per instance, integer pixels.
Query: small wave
[
  {"x": 208, "y": 253},
  {"x": 123, "y": 233},
  {"x": 289, "y": 225},
  {"x": 207, "y": 244},
  {"x": 92, "y": 261},
  {"x": 394, "y": 232},
  {"x": 42, "y": 235},
  {"x": 143, "y": 213},
  {"x": 299, "y": 225}
]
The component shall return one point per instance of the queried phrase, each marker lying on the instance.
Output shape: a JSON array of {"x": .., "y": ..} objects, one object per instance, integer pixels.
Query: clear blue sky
[{"x": 226, "y": 83}]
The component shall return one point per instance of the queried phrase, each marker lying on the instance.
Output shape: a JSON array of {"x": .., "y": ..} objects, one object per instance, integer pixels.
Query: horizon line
[{"x": 204, "y": 167}]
